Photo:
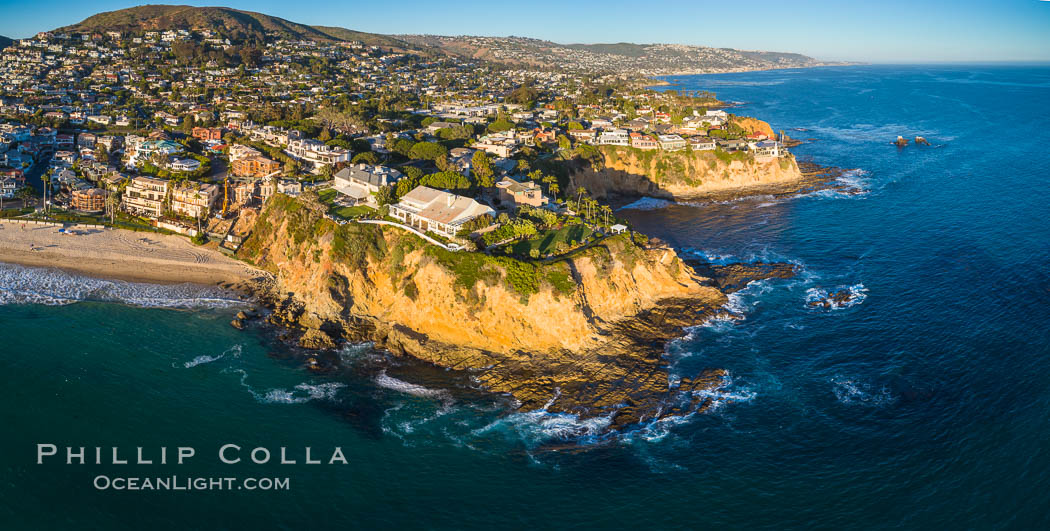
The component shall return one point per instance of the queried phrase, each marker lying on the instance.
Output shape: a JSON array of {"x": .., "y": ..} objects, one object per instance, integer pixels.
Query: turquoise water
[{"x": 922, "y": 404}]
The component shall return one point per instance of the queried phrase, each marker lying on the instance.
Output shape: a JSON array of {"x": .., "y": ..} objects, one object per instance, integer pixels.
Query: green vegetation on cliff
[
  {"x": 674, "y": 166},
  {"x": 365, "y": 245}
]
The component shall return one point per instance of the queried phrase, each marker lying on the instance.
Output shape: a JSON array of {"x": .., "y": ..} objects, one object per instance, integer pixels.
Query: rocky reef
[{"x": 582, "y": 334}]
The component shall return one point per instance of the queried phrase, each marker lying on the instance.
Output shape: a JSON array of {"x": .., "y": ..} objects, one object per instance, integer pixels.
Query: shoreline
[
  {"x": 118, "y": 254},
  {"x": 743, "y": 71}
]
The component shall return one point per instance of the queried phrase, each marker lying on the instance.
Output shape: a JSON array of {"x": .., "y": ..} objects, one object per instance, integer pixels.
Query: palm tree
[
  {"x": 112, "y": 205},
  {"x": 580, "y": 192}
]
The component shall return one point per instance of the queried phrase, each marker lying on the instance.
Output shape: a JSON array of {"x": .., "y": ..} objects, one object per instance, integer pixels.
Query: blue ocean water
[{"x": 922, "y": 404}]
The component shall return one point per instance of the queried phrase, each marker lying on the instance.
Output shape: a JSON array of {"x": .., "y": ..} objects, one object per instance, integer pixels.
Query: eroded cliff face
[
  {"x": 584, "y": 334},
  {"x": 683, "y": 175}
]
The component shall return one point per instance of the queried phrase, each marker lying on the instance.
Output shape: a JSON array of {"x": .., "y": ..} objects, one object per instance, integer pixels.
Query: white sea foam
[
  {"x": 301, "y": 393},
  {"x": 235, "y": 351},
  {"x": 712, "y": 257},
  {"x": 850, "y": 391},
  {"x": 352, "y": 352},
  {"x": 719, "y": 396},
  {"x": 389, "y": 382},
  {"x": 648, "y": 203},
  {"x": 540, "y": 427},
  {"x": 858, "y": 293},
  {"x": 33, "y": 285}
]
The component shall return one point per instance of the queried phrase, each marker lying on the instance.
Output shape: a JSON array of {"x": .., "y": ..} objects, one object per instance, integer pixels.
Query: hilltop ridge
[
  {"x": 619, "y": 58},
  {"x": 227, "y": 22}
]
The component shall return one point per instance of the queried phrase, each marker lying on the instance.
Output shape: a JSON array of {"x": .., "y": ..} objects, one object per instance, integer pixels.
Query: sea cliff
[
  {"x": 582, "y": 334},
  {"x": 684, "y": 175}
]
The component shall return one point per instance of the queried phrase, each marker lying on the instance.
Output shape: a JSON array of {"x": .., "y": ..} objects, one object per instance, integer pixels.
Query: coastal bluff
[
  {"x": 683, "y": 175},
  {"x": 582, "y": 334}
]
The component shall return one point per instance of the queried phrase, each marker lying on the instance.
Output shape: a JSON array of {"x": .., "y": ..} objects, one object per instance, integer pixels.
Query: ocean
[{"x": 920, "y": 404}]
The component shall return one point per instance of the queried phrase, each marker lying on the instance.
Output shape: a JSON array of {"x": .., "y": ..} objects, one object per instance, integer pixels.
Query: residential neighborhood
[{"x": 185, "y": 131}]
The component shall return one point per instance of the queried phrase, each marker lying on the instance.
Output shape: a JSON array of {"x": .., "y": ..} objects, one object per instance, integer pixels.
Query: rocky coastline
[
  {"x": 595, "y": 351},
  {"x": 698, "y": 177}
]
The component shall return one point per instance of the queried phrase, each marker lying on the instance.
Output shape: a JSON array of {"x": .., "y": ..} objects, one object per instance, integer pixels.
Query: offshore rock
[
  {"x": 734, "y": 277},
  {"x": 834, "y": 300}
]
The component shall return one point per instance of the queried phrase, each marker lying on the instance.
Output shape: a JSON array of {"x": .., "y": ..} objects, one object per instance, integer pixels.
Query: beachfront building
[
  {"x": 512, "y": 192},
  {"x": 145, "y": 196},
  {"x": 254, "y": 166},
  {"x": 194, "y": 199},
  {"x": 88, "y": 200},
  {"x": 10, "y": 182},
  {"x": 360, "y": 181},
  {"x": 433, "y": 210}
]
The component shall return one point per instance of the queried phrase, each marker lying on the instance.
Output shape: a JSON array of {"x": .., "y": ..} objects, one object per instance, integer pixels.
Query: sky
[{"x": 879, "y": 31}]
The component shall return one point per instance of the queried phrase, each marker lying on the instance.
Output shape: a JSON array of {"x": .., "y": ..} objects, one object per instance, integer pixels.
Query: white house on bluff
[{"x": 433, "y": 210}]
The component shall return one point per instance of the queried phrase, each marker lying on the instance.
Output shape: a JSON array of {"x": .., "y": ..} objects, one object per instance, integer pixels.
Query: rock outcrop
[
  {"x": 684, "y": 175},
  {"x": 584, "y": 334}
]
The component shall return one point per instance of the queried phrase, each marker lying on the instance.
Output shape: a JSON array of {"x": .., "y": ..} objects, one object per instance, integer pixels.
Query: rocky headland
[
  {"x": 581, "y": 334},
  {"x": 696, "y": 175}
]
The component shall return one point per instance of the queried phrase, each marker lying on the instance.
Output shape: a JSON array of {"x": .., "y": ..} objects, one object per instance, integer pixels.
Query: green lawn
[
  {"x": 547, "y": 241},
  {"x": 351, "y": 212},
  {"x": 328, "y": 197}
]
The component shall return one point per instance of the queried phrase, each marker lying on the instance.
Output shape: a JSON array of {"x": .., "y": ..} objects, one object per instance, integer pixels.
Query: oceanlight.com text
[{"x": 176, "y": 483}]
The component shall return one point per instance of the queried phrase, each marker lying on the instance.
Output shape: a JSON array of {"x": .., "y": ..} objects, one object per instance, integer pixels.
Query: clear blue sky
[{"x": 873, "y": 30}]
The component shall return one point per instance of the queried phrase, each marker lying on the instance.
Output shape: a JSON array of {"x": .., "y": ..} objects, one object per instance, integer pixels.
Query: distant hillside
[
  {"x": 231, "y": 23},
  {"x": 622, "y": 57},
  {"x": 370, "y": 39},
  {"x": 5, "y": 42}
]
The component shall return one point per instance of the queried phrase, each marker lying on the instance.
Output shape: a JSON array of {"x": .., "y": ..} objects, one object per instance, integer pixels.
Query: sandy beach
[{"x": 119, "y": 254}]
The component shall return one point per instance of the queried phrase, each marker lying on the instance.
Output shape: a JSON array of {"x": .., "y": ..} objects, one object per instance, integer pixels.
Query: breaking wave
[
  {"x": 353, "y": 352},
  {"x": 818, "y": 297},
  {"x": 540, "y": 426},
  {"x": 648, "y": 203},
  {"x": 717, "y": 397},
  {"x": 401, "y": 386},
  {"x": 53, "y": 287},
  {"x": 300, "y": 393}
]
